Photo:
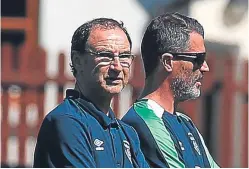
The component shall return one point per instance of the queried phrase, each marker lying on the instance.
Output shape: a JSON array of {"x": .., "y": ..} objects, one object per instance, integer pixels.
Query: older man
[{"x": 83, "y": 131}]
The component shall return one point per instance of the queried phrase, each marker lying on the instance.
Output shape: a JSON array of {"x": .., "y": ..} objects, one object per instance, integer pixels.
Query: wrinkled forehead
[
  {"x": 196, "y": 43},
  {"x": 110, "y": 39}
]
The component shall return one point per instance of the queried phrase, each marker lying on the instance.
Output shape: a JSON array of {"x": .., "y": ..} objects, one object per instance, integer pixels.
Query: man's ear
[
  {"x": 166, "y": 60},
  {"x": 76, "y": 61}
]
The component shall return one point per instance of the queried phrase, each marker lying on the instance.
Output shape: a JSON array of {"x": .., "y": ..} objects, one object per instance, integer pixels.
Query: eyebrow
[
  {"x": 106, "y": 50},
  {"x": 125, "y": 52},
  {"x": 103, "y": 50}
]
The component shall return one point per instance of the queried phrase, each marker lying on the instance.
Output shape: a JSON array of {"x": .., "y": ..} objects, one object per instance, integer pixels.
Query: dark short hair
[
  {"x": 81, "y": 35},
  {"x": 167, "y": 33}
]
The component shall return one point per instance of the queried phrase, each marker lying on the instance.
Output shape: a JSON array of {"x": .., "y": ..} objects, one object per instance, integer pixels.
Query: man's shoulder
[
  {"x": 129, "y": 113},
  {"x": 188, "y": 120},
  {"x": 128, "y": 128},
  {"x": 138, "y": 109},
  {"x": 68, "y": 108},
  {"x": 65, "y": 119},
  {"x": 184, "y": 116},
  {"x": 131, "y": 117},
  {"x": 136, "y": 122}
]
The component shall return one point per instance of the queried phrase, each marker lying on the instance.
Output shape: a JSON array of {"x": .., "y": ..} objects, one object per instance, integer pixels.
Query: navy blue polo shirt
[{"x": 77, "y": 134}]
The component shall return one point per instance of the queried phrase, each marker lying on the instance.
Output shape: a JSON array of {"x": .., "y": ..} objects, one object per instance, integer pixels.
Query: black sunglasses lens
[{"x": 200, "y": 58}]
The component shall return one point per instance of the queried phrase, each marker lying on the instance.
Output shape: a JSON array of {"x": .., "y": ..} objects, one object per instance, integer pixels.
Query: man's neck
[
  {"x": 160, "y": 93},
  {"x": 101, "y": 101}
]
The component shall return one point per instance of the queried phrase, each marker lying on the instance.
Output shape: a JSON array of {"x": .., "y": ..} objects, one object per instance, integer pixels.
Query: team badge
[{"x": 196, "y": 147}]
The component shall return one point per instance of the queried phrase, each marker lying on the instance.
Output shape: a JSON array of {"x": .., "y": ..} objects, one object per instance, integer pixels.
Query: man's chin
[
  {"x": 114, "y": 89},
  {"x": 190, "y": 96}
]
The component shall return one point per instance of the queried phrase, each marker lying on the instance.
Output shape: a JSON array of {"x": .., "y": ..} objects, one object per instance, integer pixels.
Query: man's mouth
[
  {"x": 198, "y": 81},
  {"x": 198, "y": 84},
  {"x": 200, "y": 78},
  {"x": 114, "y": 80}
]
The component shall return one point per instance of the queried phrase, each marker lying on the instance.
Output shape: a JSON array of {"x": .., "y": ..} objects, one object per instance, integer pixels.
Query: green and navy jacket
[{"x": 168, "y": 140}]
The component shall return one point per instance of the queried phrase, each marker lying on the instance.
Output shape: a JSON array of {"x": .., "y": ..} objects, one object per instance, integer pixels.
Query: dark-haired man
[
  {"x": 83, "y": 131},
  {"x": 173, "y": 54}
]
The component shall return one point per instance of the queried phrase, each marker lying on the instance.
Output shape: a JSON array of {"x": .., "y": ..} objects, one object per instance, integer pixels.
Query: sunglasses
[{"x": 198, "y": 58}]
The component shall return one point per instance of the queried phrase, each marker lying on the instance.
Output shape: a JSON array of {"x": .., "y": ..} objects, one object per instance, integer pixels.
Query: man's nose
[
  {"x": 115, "y": 64},
  {"x": 204, "y": 67}
]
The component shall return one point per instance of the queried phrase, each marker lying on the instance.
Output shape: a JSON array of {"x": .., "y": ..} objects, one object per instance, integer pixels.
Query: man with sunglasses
[
  {"x": 173, "y": 54},
  {"x": 83, "y": 131}
]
